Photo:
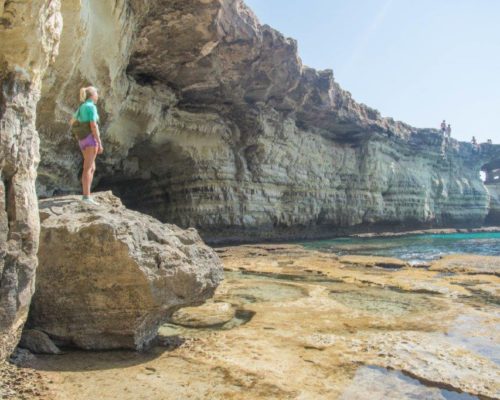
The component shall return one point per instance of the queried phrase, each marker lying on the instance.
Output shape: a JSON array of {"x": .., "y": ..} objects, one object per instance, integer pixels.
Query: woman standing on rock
[{"x": 91, "y": 144}]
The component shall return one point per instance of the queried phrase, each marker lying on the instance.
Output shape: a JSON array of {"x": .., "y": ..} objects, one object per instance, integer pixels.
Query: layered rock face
[
  {"x": 212, "y": 121},
  {"x": 29, "y": 35},
  {"x": 494, "y": 214},
  {"x": 108, "y": 276},
  {"x": 492, "y": 171}
]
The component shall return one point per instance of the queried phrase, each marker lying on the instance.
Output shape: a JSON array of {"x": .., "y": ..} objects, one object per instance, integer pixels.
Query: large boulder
[
  {"x": 29, "y": 38},
  {"x": 108, "y": 276}
]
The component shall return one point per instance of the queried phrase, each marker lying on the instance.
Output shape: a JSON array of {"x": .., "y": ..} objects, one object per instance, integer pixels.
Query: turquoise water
[{"x": 414, "y": 248}]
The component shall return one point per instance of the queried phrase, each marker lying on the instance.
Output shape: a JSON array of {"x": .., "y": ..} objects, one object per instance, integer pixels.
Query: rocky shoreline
[
  {"x": 211, "y": 120},
  {"x": 334, "y": 325}
]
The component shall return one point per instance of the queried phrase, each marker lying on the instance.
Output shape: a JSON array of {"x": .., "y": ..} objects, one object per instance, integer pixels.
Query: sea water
[{"x": 414, "y": 248}]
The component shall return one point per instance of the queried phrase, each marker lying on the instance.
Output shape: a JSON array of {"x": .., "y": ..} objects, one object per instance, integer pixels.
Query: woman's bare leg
[{"x": 89, "y": 155}]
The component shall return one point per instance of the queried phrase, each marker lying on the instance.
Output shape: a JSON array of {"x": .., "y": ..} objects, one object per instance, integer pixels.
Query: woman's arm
[{"x": 97, "y": 136}]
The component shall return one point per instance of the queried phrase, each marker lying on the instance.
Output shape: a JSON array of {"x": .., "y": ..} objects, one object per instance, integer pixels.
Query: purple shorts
[{"x": 89, "y": 141}]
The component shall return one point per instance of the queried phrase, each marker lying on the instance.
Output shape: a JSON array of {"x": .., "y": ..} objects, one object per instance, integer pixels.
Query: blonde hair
[{"x": 86, "y": 92}]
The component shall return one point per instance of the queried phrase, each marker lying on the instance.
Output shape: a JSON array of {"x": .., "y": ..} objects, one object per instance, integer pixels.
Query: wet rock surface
[
  {"x": 393, "y": 385},
  {"x": 418, "y": 333},
  {"x": 108, "y": 276}
]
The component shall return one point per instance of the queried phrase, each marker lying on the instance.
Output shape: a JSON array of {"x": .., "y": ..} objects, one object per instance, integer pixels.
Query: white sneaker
[{"x": 90, "y": 200}]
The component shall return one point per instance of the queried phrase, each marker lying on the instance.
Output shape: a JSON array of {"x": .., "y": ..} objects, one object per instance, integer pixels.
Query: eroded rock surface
[
  {"x": 224, "y": 129},
  {"x": 468, "y": 264},
  {"x": 29, "y": 36},
  {"x": 371, "y": 261},
  {"x": 321, "y": 329},
  {"x": 209, "y": 314},
  {"x": 109, "y": 276}
]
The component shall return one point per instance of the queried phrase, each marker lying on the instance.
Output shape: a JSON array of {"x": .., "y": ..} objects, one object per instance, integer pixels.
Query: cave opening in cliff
[
  {"x": 482, "y": 175},
  {"x": 490, "y": 172}
]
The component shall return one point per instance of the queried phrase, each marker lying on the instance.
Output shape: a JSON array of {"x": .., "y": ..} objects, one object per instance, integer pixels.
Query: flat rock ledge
[
  {"x": 108, "y": 277},
  {"x": 374, "y": 261},
  {"x": 471, "y": 264}
]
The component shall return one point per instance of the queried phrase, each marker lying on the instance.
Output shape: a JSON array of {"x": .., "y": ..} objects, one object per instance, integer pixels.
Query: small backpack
[{"x": 80, "y": 130}]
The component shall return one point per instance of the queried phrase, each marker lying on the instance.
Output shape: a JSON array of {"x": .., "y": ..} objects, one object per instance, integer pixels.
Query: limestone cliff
[
  {"x": 211, "y": 120},
  {"x": 492, "y": 181},
  {"x": 493, "y": 217},
  {"x": 29, "y": 35}
]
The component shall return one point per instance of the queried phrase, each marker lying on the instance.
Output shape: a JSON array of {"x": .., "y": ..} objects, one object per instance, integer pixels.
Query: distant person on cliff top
[
  {"x": 443, "y": 127},
  {"x": 475, "y": 145},
  {"x": 447, "y": 135},
  {"x": 448, "y": 131},
  {"x": 85, "y": 127}
]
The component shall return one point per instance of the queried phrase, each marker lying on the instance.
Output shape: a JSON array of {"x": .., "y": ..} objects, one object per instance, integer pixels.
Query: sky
[{"x": 418, "y": 61}]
